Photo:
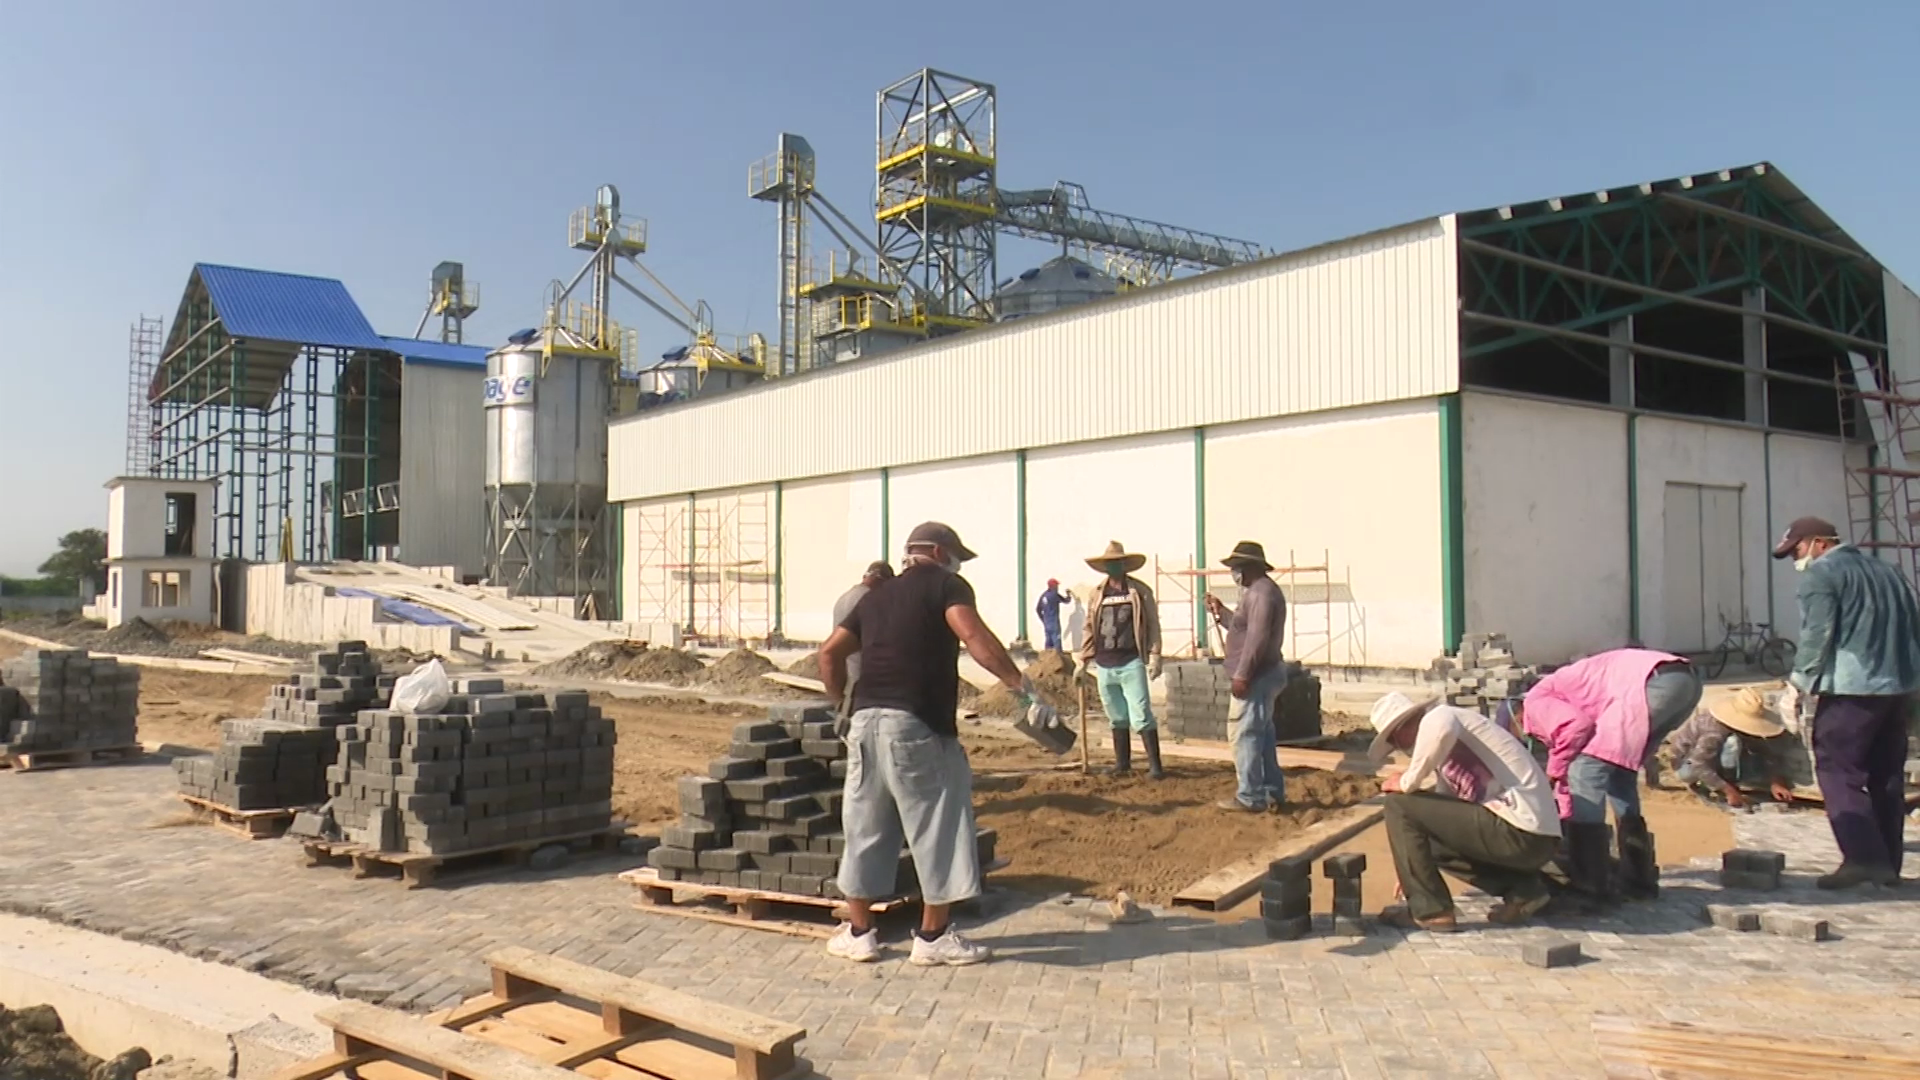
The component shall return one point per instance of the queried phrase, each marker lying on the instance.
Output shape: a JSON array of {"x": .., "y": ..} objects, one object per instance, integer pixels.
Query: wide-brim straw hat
[
  {"x": 1129, "y": 561},
  {"x": 1746, "y": 712},
  {"x": 1247, "y": 551},
  {"x": 1391, "y": 711}
]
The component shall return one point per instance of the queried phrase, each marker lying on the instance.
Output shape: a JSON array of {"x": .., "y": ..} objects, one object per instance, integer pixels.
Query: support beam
[
  {"x": 1785, "y": 232},
  {"x": 1753, "y": 344},
  {"x": 779, "y": 629},
  {"x": 1633, "y": 528},
  {"x": 1020, "y": 540},
  {"x": 1639, "y": 349},
  {"x": 1200, "y": 540},
  {"x": 1453, "y": 530},
  {"x": 1620, "y": 363}
]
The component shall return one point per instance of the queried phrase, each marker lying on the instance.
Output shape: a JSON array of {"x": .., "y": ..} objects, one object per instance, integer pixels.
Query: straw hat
[
  {"x": 1746, "y": 712},
  {"x": 1129, "y": 561},
  {"x": 1391, "y": 711}
]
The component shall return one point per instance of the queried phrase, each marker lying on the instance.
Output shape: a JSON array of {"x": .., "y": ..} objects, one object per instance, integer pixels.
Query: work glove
[
  {"x": 1155, "y": 666},
  {"x": 1041, "y": 716},
  {"x": 1790, "y": 702}
]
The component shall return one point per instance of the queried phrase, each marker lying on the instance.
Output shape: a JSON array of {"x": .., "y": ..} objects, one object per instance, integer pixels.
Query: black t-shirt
[
  {"x": 1113, "y": 642},
  {"x": 909, "y": 656}
]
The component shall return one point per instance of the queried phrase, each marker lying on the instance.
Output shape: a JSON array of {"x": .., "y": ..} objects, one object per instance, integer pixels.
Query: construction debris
[
  {"x": 628, "y": 661},
  {"x": 67, "y": 700}
]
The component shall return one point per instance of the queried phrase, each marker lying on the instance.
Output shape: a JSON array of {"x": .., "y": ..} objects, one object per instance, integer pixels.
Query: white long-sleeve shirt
[{"x": 1517, "y": 790}]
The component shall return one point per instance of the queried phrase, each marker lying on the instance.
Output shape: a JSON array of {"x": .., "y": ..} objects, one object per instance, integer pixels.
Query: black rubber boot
[
  {"x": 1590, "y": 862},
  {"x": 1151, "y": 740},
  {"x": 1122, "y": 752},
  {"x": 1639, "y": 868}
]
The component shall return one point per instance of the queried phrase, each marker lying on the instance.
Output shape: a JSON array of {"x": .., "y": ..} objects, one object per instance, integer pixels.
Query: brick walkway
[{"x": 1179, "y": 997}]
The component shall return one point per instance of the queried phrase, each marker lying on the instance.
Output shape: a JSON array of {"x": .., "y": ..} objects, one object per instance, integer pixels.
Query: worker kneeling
[
  {"x": 1737, "y": 738},
  {"x": 1491, "y": 823}
]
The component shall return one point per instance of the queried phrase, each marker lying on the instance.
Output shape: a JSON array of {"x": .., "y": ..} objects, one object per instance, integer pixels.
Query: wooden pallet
[
  {"x": 269, "y": 824},
  {"x": 552, "y": 1019},
  {"x": 41, "y": 760},
  {"x": 758, "y": 909},
  {"x": 419, "y": 869},
  {"x": 1637, "y": 1050}
]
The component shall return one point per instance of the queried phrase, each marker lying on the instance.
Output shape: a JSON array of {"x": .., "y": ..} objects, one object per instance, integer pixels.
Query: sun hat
[
  {"x": 1392, "y": 710},
  {"x": 1247, "y": 551},
  {"x": 1746, "y": 712},
  {"x": 1117, "y": 552}
]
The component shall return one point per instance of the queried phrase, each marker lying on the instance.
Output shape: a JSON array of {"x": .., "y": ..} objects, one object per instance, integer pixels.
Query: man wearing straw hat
[
  {"x": 1497, "y": 842},
  {"x": 1708, "y": 747},
  {"x": 1254, "y": 665},
  {"x": 1122, "y": 650}
]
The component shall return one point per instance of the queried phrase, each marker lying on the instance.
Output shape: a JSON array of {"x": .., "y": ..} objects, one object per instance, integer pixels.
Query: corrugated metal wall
[
  {"x": 443, "y": 467},
  {"x": 1366, "y": 320}
]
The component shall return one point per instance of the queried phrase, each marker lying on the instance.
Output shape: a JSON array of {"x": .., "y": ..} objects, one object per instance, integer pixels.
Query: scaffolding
[
  {"x": 143, "y": 358},
  {"x": 1323, "y": 625},
  {"x": 1882, "y": 513},
  {"x": 260, "y": 419},
  {"x": 725, "y": 576}
]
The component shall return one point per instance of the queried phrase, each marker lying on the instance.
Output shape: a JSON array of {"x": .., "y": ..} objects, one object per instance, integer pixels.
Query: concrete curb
[{"x": 114, "y": 994}]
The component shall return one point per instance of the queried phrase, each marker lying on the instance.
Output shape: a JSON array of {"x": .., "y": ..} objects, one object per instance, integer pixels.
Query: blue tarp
[{"x": 406, "y": 611}]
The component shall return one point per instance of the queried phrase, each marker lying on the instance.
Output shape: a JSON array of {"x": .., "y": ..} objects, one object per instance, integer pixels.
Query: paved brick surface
[{"x": 1070, "y": 997}]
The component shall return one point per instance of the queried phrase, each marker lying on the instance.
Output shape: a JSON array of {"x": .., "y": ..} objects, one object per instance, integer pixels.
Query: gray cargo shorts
[{"x": 905, "y": 783}]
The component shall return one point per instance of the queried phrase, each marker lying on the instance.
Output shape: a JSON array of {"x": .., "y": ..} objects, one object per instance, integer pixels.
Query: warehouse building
[{"x": 1581, "y": 422}]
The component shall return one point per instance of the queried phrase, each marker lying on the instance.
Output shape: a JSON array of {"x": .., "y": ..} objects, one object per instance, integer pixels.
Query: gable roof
[{"x": 265, "y": 305}]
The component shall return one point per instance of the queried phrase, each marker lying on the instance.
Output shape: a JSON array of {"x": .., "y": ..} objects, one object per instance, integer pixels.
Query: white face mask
[
  {"x": 1239, "y": 577},
  {"x": 1802, "y": 563},
  {"x": 952, "y": 565}
]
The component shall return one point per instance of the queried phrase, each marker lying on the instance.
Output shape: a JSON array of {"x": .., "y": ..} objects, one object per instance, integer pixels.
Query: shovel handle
[{"x": 1080, "y": 687}]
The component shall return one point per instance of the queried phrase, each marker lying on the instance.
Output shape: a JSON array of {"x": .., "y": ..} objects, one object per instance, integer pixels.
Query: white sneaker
[
  {"x": 859, "y": 948},
  {"x": 950, "y": 949}
]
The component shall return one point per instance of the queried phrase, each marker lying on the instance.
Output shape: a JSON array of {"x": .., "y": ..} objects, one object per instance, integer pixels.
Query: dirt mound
[
  {"x": 631, "y": 661},
  {"x": 134, "y": 635},
  {"x": 1052, "y": 675},
  {"x": 808, "y": 665},
  {"x": 739, "y": 672},
  {"x": 34, "y": 1043}
]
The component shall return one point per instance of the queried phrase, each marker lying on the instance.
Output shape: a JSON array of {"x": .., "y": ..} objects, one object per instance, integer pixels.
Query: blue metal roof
[
  {"x": 416, "y": 351},
  {"x": 264, "y": 305}
]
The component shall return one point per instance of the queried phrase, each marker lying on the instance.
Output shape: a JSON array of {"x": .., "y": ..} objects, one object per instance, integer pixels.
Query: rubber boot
[
  {"x": 1151, "y": 740},
  {"x": 1590, "y": 862},
  {"x": 1122, "y": 753},
  {"x": 1639, "y": 869}
]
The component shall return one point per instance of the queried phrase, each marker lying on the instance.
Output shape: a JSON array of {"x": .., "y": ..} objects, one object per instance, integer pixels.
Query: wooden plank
[
  {"x": 477, "y": 1008},
  {"x": 321, "y": 1068},
  {"x": 1683, "y": 1051},
  {"x": 708, "y": 1018},
  {"x": 1231, "y": 884},
  {"x": 608, "y": 1069},
  {"x": 459, "y": 1055},
  {"x": 28, "y": 761},
  {"x": 677, "y": 1060},
  {"x": 798, "y": 682}
]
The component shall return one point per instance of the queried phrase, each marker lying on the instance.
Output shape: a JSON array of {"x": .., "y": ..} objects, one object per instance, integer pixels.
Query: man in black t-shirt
[{"x": 907, "y": 776}]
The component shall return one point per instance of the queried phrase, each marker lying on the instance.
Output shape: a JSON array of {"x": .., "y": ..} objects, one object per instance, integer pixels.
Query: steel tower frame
[
  {"x": 144, "y": 341},
  {"x": 936, "y": 195},
  {"x": 786, "y": 179}
]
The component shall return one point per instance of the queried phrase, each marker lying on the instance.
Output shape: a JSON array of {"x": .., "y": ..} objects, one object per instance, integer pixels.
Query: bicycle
[{"x": 1756, "y": 644}]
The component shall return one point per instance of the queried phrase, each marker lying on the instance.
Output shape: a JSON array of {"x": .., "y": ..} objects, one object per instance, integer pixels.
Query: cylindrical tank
[
  {"x": 1057, "y": 283},
  {"x": 546, "y": 428}
]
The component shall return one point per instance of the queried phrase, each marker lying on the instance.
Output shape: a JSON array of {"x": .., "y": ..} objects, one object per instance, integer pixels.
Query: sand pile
[
  {"x": 631, "y": 661},
  {"x": 808, "y": 665},
  {"x": 1052, "y": 675},
  {"x": 739, "y": 672},
  {"x": 34, "y": 1043}
]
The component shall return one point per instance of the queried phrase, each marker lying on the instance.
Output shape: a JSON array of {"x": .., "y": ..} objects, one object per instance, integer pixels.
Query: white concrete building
[
  {"x": 1581, "y": 422},
  {"x": 159, "y": 550}
]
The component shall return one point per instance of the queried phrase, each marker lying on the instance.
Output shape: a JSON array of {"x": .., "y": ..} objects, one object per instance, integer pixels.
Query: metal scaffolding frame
[
  {"x": 144, "y": 340},
  {"x": 248, "y": 415},
  {"x": 936, "y": 195},
  {"x": 1324, "y": 626},
  {"x": 1883, "y": 514}
]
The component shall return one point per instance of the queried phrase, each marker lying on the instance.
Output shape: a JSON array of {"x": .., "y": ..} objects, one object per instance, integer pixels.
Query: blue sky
[{"x": 368, "y": 141}]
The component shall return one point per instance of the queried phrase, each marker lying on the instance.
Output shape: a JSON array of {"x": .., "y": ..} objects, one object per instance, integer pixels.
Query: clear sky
[{"x": 368, "y": 141}]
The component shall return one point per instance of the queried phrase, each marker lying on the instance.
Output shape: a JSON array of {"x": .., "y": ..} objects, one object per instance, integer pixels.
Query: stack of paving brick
[
  {"x": 1485, "y": 673},
  {"x": 65, "y": 699},
  {"x": 1200, "y": 694},
  {"x": 1745, "y": 868},
  {"x": 767, "y": 816},
  {"x": 489, "y": 769},
  {"x": 280, "y": 760},
  {"x": 1286, "y": 898},
  {"x": 1343, "y": 872}
]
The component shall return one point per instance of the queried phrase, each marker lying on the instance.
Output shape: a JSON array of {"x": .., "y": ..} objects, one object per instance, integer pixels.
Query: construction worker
[
  {"x": 1601, "y": 718},
  {"x": 1257, "y": 676},
  {"x": 1049, "y": 611},
  {"x": 907, "y": 776},
  {"x": 1859, "y": 660},
  {"x": 877, "y": 572},
  {"x": 1122, "y": 650},
  {"x": 1708, "y": 749}
]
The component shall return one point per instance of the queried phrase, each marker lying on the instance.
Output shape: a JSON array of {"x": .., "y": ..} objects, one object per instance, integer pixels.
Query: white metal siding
[
  {"x": 442, "y": 467},
  {"x": 1366, "y": 320},
  {"x": 980, "y": 499}
]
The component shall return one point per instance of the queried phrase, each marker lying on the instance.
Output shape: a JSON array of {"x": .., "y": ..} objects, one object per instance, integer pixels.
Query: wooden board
[
  {"x": 1229, "y": 885},
  {"x": 419, "y": 869},
  {"x": 758, "y": 909},
  {"x": 42, "y": 760},
  {"x": 252, "y": 824},
  {"x": 1653, "y": 1050},
  {"x": 798, "y": 682},
  {"x": 362, "y": 1028}
]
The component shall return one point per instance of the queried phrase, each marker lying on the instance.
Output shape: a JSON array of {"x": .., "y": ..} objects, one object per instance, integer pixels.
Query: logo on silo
[{"x": 505, "y": 390}]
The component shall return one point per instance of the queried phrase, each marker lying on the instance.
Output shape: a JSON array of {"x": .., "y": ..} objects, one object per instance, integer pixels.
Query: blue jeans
[
  {"x": 1595, "y": 785},
  {"x": 1256, "y": 756},
  {"x": 1124, "y": 695},
  {"x": 1050, "y": 630}
]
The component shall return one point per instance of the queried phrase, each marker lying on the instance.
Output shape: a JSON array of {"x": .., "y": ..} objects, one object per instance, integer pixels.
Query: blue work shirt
[
  {"x": 1049, "y": 606},
  {"x": 1859, "y": 627}
]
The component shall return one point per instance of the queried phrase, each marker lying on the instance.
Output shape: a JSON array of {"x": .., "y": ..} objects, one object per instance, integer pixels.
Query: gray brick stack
[
  {"x": 1199, "y": 694},
  {"x": 1485, "y": 673},
  {"x": 65, "y": 699},
  {"x": 280, "y": 760},
  {"x": 490, "y": 769},
  {"x": 767, "y": 816}
]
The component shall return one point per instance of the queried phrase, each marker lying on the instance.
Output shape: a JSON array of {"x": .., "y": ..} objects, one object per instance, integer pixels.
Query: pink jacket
[{"x": 1596, "y": 707}]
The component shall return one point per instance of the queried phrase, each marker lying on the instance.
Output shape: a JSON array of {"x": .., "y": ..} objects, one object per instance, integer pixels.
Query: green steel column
[
  {"x": 690, "y": 559},
  {"x": 1453, "y": 528},
  {"x": 1766, "y": 467},
  {"x": 1200, "y": 635},
  {"x": 1633, "y": 528},
  {"x": 779, "y": 561},
  {"x": 886, "y": 519},
  {"x": 1020, "y": 539}
]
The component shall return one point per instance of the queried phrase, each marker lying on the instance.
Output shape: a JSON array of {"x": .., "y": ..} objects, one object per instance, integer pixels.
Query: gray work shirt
[
  {"x": 1254, "y": 632},
  {"x": 842, "y": 608}
]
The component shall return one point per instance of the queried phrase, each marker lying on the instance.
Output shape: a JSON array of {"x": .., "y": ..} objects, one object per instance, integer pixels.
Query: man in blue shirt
[
  {"x": 1859, "y": 659},
  {"x": 1049, "y": 611}
]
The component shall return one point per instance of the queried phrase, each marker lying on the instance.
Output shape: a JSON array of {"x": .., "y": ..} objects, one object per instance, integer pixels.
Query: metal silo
[
  {"x": 1057, "y": 283},
  {"x": 547, "y": 403}
]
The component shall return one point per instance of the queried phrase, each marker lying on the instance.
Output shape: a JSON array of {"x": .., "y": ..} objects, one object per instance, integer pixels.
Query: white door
[{"x": 1705, "y": 565}]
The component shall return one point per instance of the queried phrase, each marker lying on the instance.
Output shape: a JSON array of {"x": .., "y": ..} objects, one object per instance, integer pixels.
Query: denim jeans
[
  {"x": 1124, "y": 694},
  {"x": 1594, "y": 785},
  {"x": 1256, "y": 756},
  {"x": 1050, "y": 632}
]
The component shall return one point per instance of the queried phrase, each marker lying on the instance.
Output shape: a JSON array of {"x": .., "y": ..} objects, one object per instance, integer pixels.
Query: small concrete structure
[{"x": 159, "y": 550}]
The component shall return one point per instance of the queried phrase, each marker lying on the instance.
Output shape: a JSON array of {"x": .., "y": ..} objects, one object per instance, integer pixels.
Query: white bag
[{"x": 424, "y": 690}]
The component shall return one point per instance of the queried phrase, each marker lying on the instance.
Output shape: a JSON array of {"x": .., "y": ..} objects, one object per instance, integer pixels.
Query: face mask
[
  {"x": 1239, "y": 577},
  {"x": 1116, "y": 568},
  {"x": 952, "y": 565},
  {"x": 1802, "y": 563}
]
